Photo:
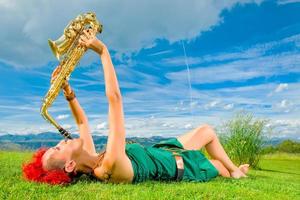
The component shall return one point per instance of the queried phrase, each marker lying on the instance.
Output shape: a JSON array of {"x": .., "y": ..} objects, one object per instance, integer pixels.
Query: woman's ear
[{"x": 70, "y": 166}]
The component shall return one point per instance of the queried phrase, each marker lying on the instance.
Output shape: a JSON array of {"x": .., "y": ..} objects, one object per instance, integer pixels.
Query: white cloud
[
  {"x": 102, "y": 125},
  {"x": 241, "y": 65},
  {"x": 153, "y": 105},
  {"x": 228, "y": 106},
  {"x": 63, "y": 116},
  {"x": 165, "y": 124},
  {"x": 187, "y": 126},
  {"x": 283, "y": 104},
  {"x": 240, "y": 53},
  {"x": 67, "y": 126},
  {"x": 161, "y": 53},
  {"x": 288, "y": 122},
  {"x": 239, "y": 70},
  {"x": 128, "y": 25},
  {"x": 193, "y": 104},
  {"x": 212, "y": 104},
  {"x": 285, "y": 128},
  {"x": 281, "y": 87}
]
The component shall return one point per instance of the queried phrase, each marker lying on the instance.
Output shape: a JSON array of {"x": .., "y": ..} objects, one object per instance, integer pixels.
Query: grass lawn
[{"x": 278, "y": 179}]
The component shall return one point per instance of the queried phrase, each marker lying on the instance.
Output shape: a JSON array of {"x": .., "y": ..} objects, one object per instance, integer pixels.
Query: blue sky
[{"x": 242, "y": 55}]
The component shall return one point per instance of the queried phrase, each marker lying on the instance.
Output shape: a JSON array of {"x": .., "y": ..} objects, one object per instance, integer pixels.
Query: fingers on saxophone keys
[
  {"x": 84, "y": 38},
  {"x": 86, "y": 34},
  {"x": 81, "y": 42},
  {"x": 55, "y": 72},
  {"x": 91, "y": 32},
  {"x": 57, "y": 69},
  {"x": 53, "y": 75}
]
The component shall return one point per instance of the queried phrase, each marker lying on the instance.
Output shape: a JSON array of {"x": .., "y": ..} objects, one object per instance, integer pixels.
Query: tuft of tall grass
[{"x": 242, "y": 138}]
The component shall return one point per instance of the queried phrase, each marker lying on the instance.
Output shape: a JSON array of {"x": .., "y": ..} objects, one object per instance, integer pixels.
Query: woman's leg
[
  {"x": 223, "y": 171},
  {"x": 205, "y": 136}
]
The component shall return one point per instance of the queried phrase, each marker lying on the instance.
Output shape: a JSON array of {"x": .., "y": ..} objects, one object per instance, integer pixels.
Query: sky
[{"x": 180, "y": 64}]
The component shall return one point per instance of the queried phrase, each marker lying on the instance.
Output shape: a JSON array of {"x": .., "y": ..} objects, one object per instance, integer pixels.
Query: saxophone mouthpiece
[{"x": 65, "y": 133}]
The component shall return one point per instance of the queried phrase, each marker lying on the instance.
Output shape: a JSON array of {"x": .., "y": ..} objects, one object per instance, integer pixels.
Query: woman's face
[{"x": 64, "y": 151}]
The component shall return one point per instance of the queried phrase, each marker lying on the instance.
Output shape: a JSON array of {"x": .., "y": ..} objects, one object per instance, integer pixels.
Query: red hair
[{"x": 34, "y": 171}]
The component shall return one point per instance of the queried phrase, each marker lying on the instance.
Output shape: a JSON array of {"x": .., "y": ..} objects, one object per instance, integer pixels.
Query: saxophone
[{"x": 68, "y": 51}]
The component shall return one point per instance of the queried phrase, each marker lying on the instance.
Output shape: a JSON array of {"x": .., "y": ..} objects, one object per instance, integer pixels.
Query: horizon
[
  {"x": 102, "y": 135},
  {"x": 239, "y": 55}
]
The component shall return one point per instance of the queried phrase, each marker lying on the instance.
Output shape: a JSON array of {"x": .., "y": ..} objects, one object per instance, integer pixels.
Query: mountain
[{"x": 48, "y": 139}]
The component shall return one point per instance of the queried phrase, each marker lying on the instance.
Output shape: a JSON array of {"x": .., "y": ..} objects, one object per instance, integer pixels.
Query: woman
[{"x": 174, "y": 159}]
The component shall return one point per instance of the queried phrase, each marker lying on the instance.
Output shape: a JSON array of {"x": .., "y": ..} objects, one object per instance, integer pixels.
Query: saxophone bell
[{"x": 60, "y": 46}]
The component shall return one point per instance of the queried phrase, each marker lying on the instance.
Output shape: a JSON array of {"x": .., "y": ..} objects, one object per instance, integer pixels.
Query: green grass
[{"x": 278, "y": 179}]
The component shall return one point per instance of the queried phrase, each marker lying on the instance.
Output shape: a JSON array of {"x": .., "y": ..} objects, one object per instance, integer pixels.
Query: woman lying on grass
[{"x": 173, "y": 159}]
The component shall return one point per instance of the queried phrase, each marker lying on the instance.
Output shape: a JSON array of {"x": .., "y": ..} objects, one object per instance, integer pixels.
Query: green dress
[{"x": 156, "y": 162}]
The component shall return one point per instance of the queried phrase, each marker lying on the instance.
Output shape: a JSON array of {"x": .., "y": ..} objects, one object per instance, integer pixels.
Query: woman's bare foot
[
  {"x": 240, "y": 172},
  {"x": 244, "y": 168},
  {"x": 237, "y": 174}
]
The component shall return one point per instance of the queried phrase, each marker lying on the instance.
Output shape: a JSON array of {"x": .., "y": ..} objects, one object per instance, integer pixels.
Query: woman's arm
[
  {"x": 82, "y": 123},
  {"x": 116, "y": 138},
  {"x": 79, "y": 115},
  {"x": 115, "y": 147}
]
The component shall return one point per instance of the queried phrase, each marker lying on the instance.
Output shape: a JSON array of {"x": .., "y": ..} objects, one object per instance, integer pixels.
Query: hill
[{"x": 48, "y": 139}]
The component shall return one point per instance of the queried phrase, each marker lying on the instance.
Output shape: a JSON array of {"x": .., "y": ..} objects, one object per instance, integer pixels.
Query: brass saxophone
[{"x": 68, "y": 51}]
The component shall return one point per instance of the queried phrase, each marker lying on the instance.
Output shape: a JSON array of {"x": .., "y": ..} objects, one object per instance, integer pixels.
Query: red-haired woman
[{"x": 173, "y": 159}]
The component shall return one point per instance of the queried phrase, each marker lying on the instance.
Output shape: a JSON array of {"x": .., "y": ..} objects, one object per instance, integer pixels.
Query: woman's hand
[
  {"x": 55, "y": 72},
  {"x": 89, "y": 40}
]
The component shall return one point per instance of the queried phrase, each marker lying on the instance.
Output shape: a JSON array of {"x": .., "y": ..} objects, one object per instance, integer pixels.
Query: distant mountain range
[{"x": 48, "y": 139}]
